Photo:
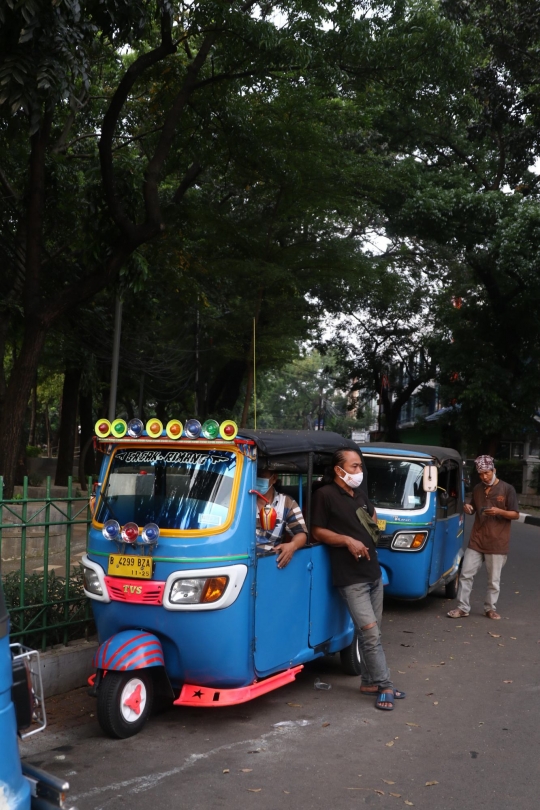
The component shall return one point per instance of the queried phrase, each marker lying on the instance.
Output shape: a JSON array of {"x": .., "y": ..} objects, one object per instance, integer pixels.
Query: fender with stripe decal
[{"x": 128, "y": 650}]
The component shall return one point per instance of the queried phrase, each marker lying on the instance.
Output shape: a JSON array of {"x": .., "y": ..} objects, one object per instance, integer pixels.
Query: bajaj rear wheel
[
  {"x": 350, "y": 658},
  {"x": 124, "y": 702}
]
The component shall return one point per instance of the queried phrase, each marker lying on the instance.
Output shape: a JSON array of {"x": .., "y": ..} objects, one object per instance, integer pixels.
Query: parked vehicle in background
[
  {"x": 22, "y": 713},
  {"x": 418, "y": 493}
]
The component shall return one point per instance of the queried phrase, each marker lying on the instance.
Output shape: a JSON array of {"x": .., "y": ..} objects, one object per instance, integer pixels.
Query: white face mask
[
  {"x": 490, "y": 483},
  {"x": 352, "y": 480}
]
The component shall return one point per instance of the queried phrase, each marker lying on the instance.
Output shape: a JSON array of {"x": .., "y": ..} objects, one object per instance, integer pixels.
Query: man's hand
[
  {"x": 284, "y": 553},
  {"x": 468, "y": 509},
  {"x": 357, "y": 548}
]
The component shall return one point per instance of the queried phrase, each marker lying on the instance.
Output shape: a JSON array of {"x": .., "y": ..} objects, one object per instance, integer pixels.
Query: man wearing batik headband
[{"x": 494, "y": 505}]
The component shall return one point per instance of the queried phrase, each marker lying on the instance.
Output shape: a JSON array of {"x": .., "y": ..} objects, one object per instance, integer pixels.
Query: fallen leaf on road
[
  {"x": 324, "y": 725},
  {"x": 247, "y": 770},
  {"x": 226, "y": 770},
  {"x": 388, "y": 782},
  {"x": 286, "y": 791},
  {"x": 397, "y": 795},
  {"x": 459, "y": 625},
  {"x": 408, "y": 631},
  {"x": 296, "y": 705},
  {"x": 409, "y": 803},
  {"x": 443, "y": 663},
  {"x": 508, "y": 681},
  {"x": 451, "y": 657},
  {"x": 514, "y": 638},
  {"x": 500, "y": 645},
  {"x": 428, "y": 784},
  {"x": 494, "y": 635},
  {"x": 254, "y": 790},
  {"x": 428, "y": 694},
  {"x": 401, "y": 673},
  {"x": 435, "y": 702},
  {"x": 413, "y": 724},
  {"x": 390, "y": 744},
  {"x": 380, "y": 792},
  {"x": 405, "y": 645},
  {"x": 516, "y": 591}
]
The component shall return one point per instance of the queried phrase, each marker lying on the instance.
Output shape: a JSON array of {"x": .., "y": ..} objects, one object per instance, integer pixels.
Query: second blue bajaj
[
  {"x": 418, "y": 494},
  {"x": 186, "y": 602}
]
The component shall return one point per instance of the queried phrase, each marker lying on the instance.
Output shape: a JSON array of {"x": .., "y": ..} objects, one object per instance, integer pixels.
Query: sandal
[
  {"x": 385, "y": 697},
  {"x": 492, "y": 614},
  {"x": 457, "y": 613},
  {"x": 397, "y": 693}
]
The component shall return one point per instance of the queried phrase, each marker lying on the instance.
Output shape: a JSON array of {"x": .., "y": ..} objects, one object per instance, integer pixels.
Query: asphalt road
[{"x": 466, "y": 736}]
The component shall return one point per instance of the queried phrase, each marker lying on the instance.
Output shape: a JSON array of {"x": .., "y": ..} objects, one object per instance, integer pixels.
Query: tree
[
  {"x": 385, "y": 350},
  {"x": 117, "y": 105}
]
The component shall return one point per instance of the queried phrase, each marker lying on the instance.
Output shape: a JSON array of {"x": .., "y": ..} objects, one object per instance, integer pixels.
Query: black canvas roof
[
  {"x": 439, "y": 453},
  {"x": 289, "y": 449}
]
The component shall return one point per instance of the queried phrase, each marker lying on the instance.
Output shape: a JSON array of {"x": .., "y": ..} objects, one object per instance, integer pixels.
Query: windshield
[
  {"x": 177, "y": 489},
  {"x": 395, "y": 483}
]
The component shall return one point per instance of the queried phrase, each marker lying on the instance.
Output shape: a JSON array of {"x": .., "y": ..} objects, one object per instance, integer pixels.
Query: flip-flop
[
  {"x": 457, "y": 613},
  {"x": 398, "y": 694},
  {"x": 385, "y": 697}
]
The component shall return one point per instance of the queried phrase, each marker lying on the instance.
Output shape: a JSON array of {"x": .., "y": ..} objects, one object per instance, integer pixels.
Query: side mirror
[{"x": 430, "y": 478}]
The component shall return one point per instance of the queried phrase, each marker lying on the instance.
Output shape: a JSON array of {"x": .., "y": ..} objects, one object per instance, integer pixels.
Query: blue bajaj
[
  {"x": 418, "y": 494},
  {"x": 187, "y": 604},
  {"x": 22, "y": 713}
]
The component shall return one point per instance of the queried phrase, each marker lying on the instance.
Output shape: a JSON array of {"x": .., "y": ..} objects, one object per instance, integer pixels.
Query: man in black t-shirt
[{"x": 355, "y": 568}]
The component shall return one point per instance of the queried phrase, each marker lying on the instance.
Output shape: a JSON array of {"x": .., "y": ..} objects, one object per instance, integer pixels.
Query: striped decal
[{"x": 126, "y": 651}]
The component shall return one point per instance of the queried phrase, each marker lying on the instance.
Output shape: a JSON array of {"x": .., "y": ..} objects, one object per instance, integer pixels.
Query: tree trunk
[
  {"x": 225, "y": 388},
  {"x": 18, "y": 391},
  {"x": 87, "y": 465},
  {"x": 33, "y": 417},
  {"x": 68, "y": 425}
]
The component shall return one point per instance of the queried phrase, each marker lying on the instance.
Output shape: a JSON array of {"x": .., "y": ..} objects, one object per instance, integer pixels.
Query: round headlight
[
  {"x": 174, "y": 429},
  {"x": 193, "y": 428},
  {"x": 210, "y": 429},
  {"x": 154, "y": 428},
  {"x": 119, "y": 428},
  {"x": 228, "y": 430},
  {"x": 111, "y": 530},
  {"x": 150, "y": 533},
  {"x": 130, "y": 533},
  {"x": 135, "y": 428},
  {"x": 102, "y": 428}
]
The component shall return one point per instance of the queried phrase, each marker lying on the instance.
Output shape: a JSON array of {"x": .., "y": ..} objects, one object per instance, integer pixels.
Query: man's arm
[
  {"x": 286, "y": 550},
  {"x": 509, "y": 514},
  {"x": 330, "y": 538}
]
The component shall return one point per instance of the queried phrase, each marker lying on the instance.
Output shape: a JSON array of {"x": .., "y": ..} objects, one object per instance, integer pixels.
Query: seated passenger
[{"x": 290, "y": 531}]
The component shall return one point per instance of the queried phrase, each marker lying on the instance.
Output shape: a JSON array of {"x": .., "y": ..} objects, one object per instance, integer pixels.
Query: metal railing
[{"x": 45, "y": 608}]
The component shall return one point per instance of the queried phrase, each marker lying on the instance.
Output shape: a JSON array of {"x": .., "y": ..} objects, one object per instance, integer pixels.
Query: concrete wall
[{"x": 66, "y": 668}]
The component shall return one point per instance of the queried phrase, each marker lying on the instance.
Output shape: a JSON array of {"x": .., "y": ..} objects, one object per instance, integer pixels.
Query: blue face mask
[{"x": 262, "y": 484}]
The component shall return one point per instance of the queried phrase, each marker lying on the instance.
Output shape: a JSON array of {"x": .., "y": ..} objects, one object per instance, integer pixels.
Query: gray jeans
[
  {"x": 365, "y": 602},
  {"x": 472, "y": 562}
]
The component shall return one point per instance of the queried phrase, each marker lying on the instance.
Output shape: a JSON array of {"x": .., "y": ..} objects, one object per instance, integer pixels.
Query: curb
[
  {"x": 67, "y": 668},
  {"x": 532, "y": 520}
]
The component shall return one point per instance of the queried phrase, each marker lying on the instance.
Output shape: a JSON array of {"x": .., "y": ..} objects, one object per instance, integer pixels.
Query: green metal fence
[{"x": 38, "y": 537}]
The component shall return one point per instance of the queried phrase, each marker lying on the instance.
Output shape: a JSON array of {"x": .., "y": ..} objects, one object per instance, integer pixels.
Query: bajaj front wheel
[
  {"x": 350, "y": 658},
  {"x": 124, "y": 702}
]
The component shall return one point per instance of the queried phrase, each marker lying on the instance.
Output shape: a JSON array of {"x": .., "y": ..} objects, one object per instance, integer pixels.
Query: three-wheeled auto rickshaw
[
  {"x": 418, "y": 493},
  {"x": 185, "y": 600},
  {"x": 22, "y": 713}
]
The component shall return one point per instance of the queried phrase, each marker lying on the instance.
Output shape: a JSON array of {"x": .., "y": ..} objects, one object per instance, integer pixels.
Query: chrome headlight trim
[
  {"x": 236, "y": 573},
  {"x": 412, "y": 534},
  {"x": 87, "y": 563}
]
